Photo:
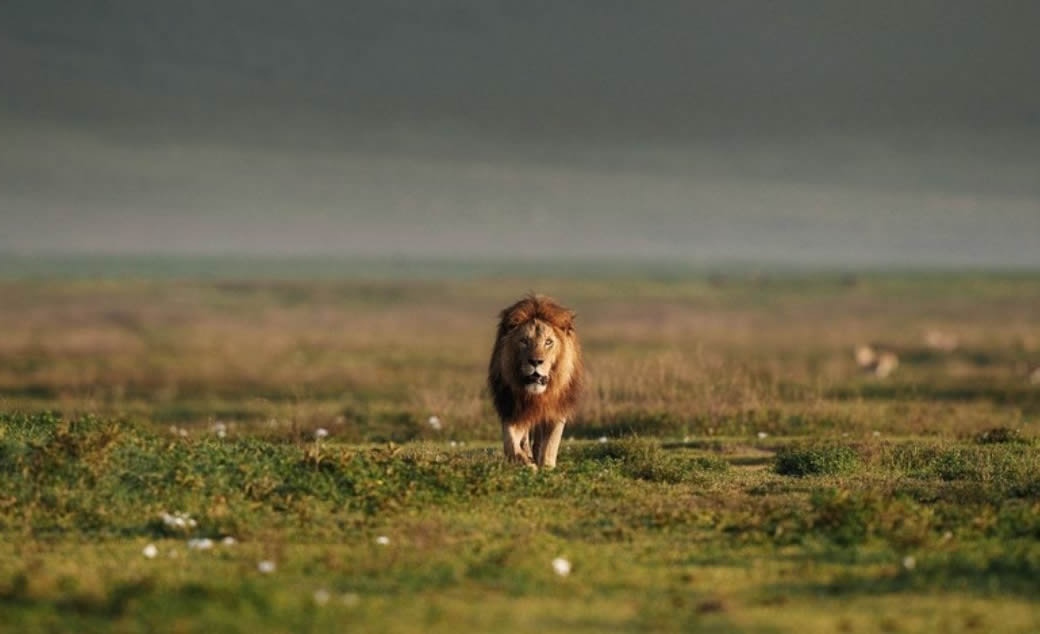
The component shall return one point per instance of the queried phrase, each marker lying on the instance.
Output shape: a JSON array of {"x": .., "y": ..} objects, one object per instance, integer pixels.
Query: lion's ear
[
  {"x": 567, "y": 321},
  {"x": 510, "y": 322}
]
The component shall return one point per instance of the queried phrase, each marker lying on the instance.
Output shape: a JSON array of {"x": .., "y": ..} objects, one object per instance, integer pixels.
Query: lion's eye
[
  {"x": 525, "y": 340},
  {"x": 548, "y": 343}
]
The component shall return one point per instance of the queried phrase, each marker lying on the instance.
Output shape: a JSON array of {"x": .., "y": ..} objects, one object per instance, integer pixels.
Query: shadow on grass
[
  {"x": 30, "y": 390},
  {"x": 635, "y": 424},
  {"x": 1006, "y": 573},
  {"x": 112, "y": 605},
  {"x": 138, "y": 599},
  {"x": 1022, "y": 396}
]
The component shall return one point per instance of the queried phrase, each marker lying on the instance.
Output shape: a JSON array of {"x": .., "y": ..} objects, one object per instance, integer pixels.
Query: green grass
[
  {"x": 730, "y": 469},
  {"x": 661, "y": 537}
]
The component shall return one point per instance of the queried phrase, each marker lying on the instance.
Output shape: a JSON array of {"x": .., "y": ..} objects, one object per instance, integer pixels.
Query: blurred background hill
[{"x": 804, "y": 134}]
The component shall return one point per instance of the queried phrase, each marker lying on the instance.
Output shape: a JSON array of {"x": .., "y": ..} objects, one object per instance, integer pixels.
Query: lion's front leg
[
  {"x": 526, "y": 446},
  {"x": 547, "y": 443},
  {"x": 516, "y": 444}
]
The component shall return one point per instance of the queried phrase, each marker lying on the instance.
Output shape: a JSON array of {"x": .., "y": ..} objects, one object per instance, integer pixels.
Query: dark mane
[{"x": 536, "y": 307}]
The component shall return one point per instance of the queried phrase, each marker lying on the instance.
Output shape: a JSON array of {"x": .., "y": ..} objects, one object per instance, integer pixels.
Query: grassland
[{"x": 752, "y": 478}]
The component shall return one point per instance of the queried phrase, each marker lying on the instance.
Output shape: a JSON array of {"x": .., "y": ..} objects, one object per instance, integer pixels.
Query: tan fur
[{"x": 535, "y": 328}]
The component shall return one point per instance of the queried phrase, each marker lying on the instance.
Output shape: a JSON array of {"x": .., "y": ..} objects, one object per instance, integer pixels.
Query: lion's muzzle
[
  {"x": 536, "y": 379},
  {"x": 536, "y": 383}
]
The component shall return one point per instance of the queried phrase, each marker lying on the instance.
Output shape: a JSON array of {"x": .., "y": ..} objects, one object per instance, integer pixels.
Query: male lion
[{"x": 535, "y": 377}]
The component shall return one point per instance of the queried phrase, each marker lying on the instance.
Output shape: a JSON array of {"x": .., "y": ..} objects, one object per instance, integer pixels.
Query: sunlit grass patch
[{"x": 1011, "y": 468}]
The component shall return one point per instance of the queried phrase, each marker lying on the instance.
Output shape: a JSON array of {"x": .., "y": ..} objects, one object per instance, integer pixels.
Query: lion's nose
[{"x": 536, "y": 362}]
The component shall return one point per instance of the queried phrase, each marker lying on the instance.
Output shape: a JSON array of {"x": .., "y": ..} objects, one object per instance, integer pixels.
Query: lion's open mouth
[{"x": 536, "y": 379}]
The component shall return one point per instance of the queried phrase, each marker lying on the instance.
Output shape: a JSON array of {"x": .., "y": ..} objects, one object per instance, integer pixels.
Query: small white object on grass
[
  {"x": 150, "y": 551},
  {"x": 228, "y": 541},
  {"x": 382, "y": 540},
  {"x": 204, "y": 543},
  {"x": 177, "y": 520},
  {"x": 320, "y": 433},
  {"x": 434, "y": 422},
  {"x": 321, "y": 596},
  {"x": 561, "y": 566},
  {"x": 266, "y": 566},
  {"x": 762, "y": 434},
  {"x": 877, "y": 434},
  {"x": 909, "y": 562},
  {"x": 603, "y": 439}
]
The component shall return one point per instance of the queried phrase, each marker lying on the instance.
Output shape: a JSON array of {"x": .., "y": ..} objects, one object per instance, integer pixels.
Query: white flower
[
  {"x": 228, "y": 541},
  {"x": 762, "y": 434},
  {"x": 220, "y": 428},
  {"x": 603, "y": 439},
  {"x": 266, "y": 566},
  {"x": 204, "y": 543},
  {"x": 178, "y": 520},
  {"x": 320, "y": 433},
  {"x": 150, "y": 551},
  {"x": 321, "y": 596},
  {"x": 909, "y": 562},
  {"x": 561, "y": 566},
  {"x": 453, "y": 443},
  {"x": 382, "y": 540},
  {"x": 877, "y": 434},
  {"x": 434, "y": 422},
  {"x": 182, "y": 432}
]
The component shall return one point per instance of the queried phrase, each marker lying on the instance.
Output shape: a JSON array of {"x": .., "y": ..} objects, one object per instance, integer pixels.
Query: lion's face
[
  {"x": 536, "y": 373},
  {"x": 535, "y": 347}
]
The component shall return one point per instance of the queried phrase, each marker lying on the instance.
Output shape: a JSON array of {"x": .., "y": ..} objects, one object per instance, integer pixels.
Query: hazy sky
[{"x": 810, "y": 133}]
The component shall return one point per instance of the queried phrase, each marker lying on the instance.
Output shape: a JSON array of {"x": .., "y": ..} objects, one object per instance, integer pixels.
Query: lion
[{"x": 535, "y": 378}]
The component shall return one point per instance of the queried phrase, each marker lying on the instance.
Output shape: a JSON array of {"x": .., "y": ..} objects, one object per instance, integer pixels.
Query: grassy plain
[{"x": 752, "y": 478}]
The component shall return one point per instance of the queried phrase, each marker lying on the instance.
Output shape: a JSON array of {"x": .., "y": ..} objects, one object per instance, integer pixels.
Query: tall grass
[{"x": 374, "y": 360}]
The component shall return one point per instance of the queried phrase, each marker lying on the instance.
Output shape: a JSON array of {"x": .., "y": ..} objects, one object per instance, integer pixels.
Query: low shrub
[{"x": 816, "y": 460}]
